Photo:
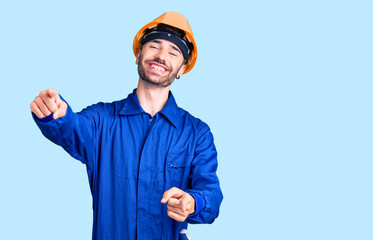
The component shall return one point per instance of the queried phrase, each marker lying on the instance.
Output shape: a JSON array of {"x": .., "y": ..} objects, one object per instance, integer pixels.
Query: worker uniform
[{"x": 132, "y": 158}]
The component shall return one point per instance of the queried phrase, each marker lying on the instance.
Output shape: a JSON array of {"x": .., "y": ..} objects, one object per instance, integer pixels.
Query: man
[{"x": 151, "y": 165}]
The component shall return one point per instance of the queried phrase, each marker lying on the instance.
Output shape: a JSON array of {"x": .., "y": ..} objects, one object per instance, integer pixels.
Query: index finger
[
  {"x": 53, "y": 94},
  {"x": 174, "y": 202},
  {"x": 172, "y": 193}
]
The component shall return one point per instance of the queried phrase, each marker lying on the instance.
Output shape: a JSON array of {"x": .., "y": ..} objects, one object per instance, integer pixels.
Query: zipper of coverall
[{"x": 151, "y": 124}]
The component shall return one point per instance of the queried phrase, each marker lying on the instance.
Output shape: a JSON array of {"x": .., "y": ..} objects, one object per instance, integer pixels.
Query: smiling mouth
[{"x": 157, "y": 67}]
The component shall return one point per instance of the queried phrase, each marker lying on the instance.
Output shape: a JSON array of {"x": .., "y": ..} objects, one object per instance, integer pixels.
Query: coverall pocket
[{"x": 178, "y": 170}]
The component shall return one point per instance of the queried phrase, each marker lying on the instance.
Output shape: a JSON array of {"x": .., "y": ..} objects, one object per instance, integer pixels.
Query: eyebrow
[{"x": 172, "y": 46}]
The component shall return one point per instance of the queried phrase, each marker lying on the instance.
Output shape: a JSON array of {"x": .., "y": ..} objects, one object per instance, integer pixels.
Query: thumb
[
  {"x": 53, "y": 94},
  {"x": 183, "y": 203},
  {"x": 62, "y": 107}
]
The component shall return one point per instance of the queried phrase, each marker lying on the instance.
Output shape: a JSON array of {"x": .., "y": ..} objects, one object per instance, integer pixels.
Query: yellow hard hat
[{"x": 172, "y": 19}]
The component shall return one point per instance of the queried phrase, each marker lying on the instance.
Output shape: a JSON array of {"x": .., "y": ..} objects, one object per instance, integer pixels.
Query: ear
[
  {"x": 181, "y": 70},
  {"x": 137, "y": 56}
]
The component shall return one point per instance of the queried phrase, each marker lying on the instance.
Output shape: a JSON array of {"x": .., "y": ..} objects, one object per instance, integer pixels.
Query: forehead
[{"x": 165, "y": 43}]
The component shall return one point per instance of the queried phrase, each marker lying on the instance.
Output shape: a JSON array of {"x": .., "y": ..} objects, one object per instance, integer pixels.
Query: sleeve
[
  {"x": 205, "y": 187},
  {"x": 74, "y": 132}
]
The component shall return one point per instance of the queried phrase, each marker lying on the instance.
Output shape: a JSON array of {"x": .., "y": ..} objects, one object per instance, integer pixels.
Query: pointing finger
[
  {"x": 53, "y": 94},
  {"x": 174, "y": 202},
  {"x": 48, "y": 101},
  {"x": 172, "y": 193}
]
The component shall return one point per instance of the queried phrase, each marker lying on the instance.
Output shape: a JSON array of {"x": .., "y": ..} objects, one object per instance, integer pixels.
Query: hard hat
[{"x": 172, "y": 19}]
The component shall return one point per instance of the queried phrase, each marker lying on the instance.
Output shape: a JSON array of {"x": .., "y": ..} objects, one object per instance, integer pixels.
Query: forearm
[
  {"x": 205, "y": 186},
  {"x": 74, "y": 132}
]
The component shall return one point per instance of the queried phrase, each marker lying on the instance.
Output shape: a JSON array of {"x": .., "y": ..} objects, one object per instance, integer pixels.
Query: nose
[{"x": 161, "y": 55}]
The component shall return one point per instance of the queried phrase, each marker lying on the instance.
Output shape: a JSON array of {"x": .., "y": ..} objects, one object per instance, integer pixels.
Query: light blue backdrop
[{"x": 286, "y": 87}]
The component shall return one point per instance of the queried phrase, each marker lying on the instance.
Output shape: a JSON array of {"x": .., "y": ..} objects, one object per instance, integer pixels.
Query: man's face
[{"x": 159, "y": 62}]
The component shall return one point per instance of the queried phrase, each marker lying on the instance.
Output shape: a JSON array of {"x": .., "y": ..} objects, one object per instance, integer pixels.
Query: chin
[{"x": 155, "y": 79}]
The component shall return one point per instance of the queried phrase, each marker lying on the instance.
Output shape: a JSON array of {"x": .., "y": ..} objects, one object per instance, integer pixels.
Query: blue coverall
[{"x": 132, "y": 159}]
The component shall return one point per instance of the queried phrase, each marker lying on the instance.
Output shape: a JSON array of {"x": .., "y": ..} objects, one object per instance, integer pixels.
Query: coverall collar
[{"x": 132, "y": 107}]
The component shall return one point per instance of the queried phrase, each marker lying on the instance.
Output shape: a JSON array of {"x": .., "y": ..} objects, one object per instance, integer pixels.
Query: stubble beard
[{"x": 147, "y": 77}]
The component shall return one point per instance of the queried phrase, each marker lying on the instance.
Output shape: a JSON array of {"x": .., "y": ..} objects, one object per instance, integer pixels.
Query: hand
[
  {"x": 48, "y": 102},
  {"x": 180, "y": 204}
]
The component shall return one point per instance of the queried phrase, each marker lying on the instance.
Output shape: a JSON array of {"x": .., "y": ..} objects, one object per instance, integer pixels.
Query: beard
[{"x": 152, "y": 78}]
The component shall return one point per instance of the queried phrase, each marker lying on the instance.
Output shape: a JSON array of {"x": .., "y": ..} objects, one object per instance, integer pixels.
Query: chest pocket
[{"x": 178, "y": 170}]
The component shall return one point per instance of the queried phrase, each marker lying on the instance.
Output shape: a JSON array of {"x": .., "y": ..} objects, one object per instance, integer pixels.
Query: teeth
[{"x": 158, "y": 68}]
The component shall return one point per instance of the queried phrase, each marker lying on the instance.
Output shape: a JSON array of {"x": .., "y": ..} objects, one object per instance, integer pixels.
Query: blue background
[{"x": 286, "y": 87}]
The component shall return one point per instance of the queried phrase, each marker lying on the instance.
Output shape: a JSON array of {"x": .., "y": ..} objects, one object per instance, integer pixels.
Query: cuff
[
  {"x": 44, "y": 119},
  {"x": 200, "y": 203}
]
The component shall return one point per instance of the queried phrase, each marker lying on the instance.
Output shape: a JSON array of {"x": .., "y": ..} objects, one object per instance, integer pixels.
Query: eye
[
  {"x": 173, "y": 54},
  {"x": 154, "y": 47}
]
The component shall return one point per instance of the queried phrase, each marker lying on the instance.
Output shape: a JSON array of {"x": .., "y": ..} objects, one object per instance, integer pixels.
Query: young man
[{"x": 151, "y": 165}]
